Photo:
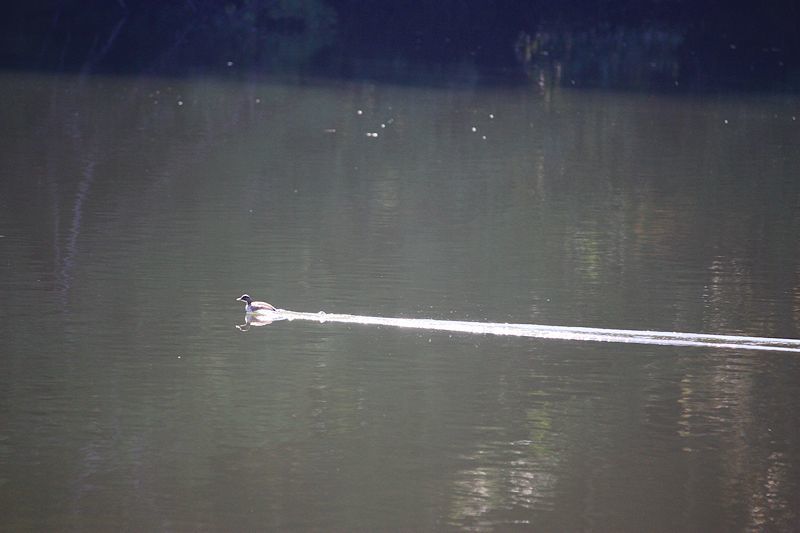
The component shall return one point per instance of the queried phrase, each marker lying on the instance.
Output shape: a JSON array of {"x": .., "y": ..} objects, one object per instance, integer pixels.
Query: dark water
[{"x": 133, "y": 212}]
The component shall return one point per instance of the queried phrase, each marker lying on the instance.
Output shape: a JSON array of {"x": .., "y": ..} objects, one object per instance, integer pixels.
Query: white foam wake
[{"x": 665, "y": 338}]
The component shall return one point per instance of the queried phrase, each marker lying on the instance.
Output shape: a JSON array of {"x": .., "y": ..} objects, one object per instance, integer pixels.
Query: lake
[{"x": 134, "y": 211}]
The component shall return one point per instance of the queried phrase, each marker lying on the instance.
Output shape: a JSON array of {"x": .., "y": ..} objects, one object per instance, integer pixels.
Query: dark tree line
[{"x": 725, "y": 39}]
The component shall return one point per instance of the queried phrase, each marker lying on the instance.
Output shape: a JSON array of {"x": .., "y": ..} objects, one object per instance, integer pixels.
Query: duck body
[{"x": 253, "y": 306}]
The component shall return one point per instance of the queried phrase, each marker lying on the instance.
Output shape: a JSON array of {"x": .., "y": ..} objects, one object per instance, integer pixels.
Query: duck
[{"x": 252, "y": 306}]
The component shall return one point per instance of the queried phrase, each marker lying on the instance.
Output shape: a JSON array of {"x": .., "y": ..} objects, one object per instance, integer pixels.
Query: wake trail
[{"x": 632, "y": 336}]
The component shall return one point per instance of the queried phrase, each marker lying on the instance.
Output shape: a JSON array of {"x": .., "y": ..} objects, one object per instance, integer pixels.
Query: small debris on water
[
  {"x": 491, "y": 115},
  {"x": 474, "y": 129},
  {"x": 258, "y": 100},
  {"x": 372, "y": 134},
  {"x": 180, "y": 102},
  {"x": 229, "y": 63},
  {"x": 359, "y": 112}
]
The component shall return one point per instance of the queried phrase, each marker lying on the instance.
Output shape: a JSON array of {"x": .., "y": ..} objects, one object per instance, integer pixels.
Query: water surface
[{"x": 134, "y": 211}]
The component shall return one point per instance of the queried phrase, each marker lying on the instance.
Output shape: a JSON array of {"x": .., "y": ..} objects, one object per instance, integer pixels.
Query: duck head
[{"x": 244, "y": 298}]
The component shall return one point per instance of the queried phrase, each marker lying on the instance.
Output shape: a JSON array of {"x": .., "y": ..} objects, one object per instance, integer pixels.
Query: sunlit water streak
[{"x": 663, "y": 338}]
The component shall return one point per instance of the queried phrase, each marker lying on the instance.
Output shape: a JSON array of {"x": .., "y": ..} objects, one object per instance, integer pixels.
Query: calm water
[{"x": 133, "y": 212}]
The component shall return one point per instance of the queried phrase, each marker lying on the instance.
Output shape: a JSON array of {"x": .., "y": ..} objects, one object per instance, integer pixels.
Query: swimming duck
[{"x": 253, "y": 306}]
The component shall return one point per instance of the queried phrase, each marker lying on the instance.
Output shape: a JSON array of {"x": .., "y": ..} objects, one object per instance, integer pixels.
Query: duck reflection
[{"x": 257, "y": 320}]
